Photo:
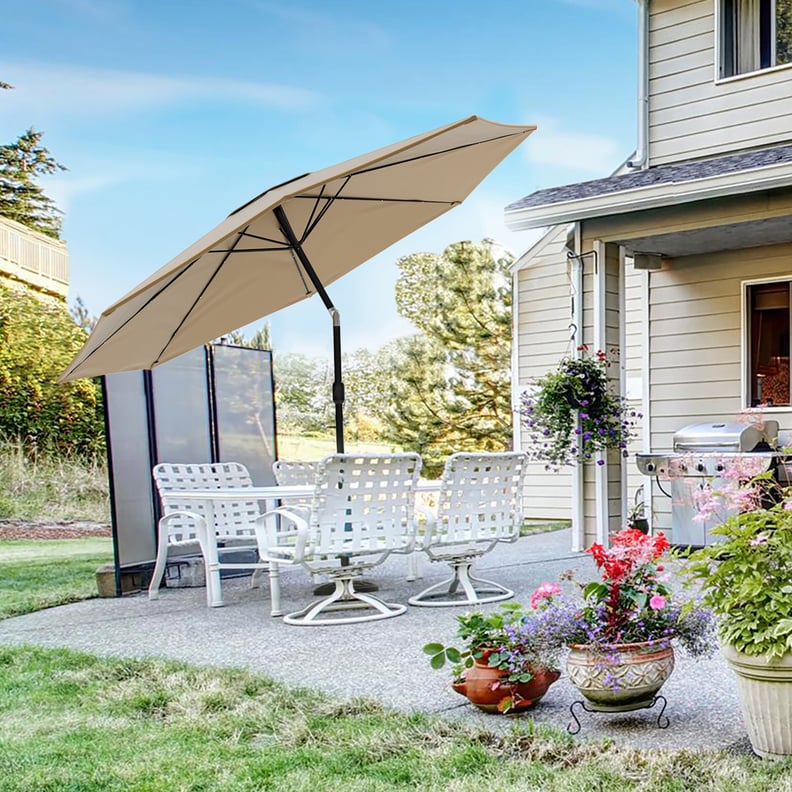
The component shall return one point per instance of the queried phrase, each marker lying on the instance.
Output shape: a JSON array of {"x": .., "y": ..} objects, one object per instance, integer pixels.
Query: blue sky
[{"x": 170, "y": 114}]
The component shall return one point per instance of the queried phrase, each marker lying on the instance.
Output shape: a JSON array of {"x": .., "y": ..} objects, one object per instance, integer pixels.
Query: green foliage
[
  {"x": 82, "y": 316},
  {"x": 572, "y": 412},
  {"x": 513, "y": 639},
  {"x": 261, "y": 338},
  {"x": 450, "y": 384},
  {"x": 37, "y": 341},
  {"x": 746, "y": 580},
  {"x": 21, "y": 199},
  {"x": 302, "y": 394}
]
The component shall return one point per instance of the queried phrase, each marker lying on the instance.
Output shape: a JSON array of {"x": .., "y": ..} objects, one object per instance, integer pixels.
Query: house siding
[
  {"x": 696, "y": 333},
  {"x": 542, "y": 338},
  {"x": 691, "y": 113}
]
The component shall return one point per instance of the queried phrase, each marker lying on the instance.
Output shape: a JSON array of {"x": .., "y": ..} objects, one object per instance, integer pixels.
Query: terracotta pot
[
  {"x": 765, "y": 690},
  {"x": 624, "y": 677},
  {"x": 488, "y": 689}
]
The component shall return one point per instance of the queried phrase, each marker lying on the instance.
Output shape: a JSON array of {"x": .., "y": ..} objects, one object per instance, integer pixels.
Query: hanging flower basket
[{"x": 572, "y": 413}]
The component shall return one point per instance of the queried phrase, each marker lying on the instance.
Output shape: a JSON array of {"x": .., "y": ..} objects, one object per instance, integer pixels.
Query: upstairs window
[
  {"x": 755, "y": 34},
  {"x": 768, "y": 343}
]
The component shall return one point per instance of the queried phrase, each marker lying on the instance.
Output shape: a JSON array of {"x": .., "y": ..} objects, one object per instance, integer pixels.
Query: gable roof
[{"x": 652, "y": 187}]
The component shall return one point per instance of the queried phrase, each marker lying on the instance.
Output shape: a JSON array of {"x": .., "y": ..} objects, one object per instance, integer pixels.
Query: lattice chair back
[
  {"x": 294, "y": 471},
  {"x": 364, "y": 503},
  {"x": 232, "y": 518},
  {"x": 479, "y": 505},
  {"x": 480, "y": 497},
  {"x": 229, "y": 523},
  {"x": 362, "y": 510}
]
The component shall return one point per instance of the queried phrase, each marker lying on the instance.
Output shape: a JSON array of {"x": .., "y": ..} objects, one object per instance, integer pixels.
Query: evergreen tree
[
  {"x": 21, "y": 199},
  {"x": 82, "y": 317},
  {"x": 450, "y": 384}
]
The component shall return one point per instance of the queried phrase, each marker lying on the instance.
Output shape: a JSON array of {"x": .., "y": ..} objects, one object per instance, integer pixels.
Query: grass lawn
[
  {"x": 43, "y": 573},
  {"x": 106, "y": 724}
]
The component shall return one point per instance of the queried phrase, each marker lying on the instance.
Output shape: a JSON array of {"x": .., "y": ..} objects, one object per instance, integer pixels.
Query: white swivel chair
[
  {"x": 185, "y": 523},
  {"x": 362, "y": 510},
  {"x": 478, "y": 506},
  {"x": 294, "y": 471}
]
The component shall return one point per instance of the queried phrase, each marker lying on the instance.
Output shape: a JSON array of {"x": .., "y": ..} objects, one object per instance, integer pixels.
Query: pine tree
[
  {"x": 21, "y": 199},
  {"x": 451, "y": 384}
]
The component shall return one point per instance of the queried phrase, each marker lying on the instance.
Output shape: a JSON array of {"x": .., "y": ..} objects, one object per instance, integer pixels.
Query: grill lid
[{"x": 725, "y": 436}]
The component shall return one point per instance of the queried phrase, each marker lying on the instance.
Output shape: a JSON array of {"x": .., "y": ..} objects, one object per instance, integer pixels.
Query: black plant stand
[{"x": 662, "y": 719}]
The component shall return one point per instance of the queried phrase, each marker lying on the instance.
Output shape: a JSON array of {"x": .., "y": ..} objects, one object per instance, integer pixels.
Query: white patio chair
[
  {"x": 185, "y": 523},
  {"x": 294, "y": 471},
  {"x": 478, "y": 506},
  {"x": 361, "y": 511}
]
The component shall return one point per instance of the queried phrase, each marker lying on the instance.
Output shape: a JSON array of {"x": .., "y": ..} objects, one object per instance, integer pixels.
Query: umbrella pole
[{"x": 338, "y": 385}]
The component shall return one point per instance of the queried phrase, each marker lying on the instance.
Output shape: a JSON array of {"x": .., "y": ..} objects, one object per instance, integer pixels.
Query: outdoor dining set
[{"x": 338, "y": 518}]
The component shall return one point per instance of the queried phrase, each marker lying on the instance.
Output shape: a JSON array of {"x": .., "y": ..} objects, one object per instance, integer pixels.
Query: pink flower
[
  {"x": 545, "y": 590},
  {"x": 657, "y": 602}
]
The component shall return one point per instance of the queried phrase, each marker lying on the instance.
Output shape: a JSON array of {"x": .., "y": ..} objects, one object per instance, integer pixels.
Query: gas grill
[{"x": 701, "y": 454}]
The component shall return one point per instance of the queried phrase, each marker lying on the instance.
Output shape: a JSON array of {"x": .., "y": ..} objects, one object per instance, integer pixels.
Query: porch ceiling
[{"x": 733, "y": 236}]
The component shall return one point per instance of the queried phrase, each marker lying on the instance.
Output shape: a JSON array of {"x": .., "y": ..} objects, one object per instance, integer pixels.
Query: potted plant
[
  {"x": 746, "y": 578},
  {"x": 621, "y": 629},
  {"x": 508, "y": 661},
  {"x": 572, "y": 413}
]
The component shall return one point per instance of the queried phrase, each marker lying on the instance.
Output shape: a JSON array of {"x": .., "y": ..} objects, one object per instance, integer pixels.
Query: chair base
[
  {"x": 344, "y": 598},
  {"x": 475, "y": 591}
]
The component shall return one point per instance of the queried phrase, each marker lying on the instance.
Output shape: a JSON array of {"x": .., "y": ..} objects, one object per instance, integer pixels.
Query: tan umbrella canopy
[{"x": 292, "y": 241}]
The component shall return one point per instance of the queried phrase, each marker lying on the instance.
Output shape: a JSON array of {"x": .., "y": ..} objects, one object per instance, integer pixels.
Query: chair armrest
[
  {"x": 270, "y": 535},
  {"x": 431, "y": 520}
]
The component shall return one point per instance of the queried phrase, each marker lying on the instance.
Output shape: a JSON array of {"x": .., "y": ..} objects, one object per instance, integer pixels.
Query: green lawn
[
  {"x": 309, "y": 448},
  {"x": 75, "y": 722},
  {"x": 44, "y": 573}
]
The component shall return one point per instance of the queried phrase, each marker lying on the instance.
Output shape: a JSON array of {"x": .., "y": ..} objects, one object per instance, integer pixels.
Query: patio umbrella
[{"x": 291, "y": 242}]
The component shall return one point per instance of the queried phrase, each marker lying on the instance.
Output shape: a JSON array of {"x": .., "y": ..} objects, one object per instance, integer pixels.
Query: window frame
[
  {"x": 745, "y": 342},
  {"x": 724, "y": 34}
]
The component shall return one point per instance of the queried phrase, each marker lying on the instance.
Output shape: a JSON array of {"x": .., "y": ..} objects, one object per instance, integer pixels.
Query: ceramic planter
[
  {"x": 766, "y": 699},
  {"x": 488, "y": 689},
  {"x": 624, "y": 677}
]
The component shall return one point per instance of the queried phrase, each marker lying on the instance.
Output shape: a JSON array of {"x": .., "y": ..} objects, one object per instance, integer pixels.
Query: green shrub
[{"x": 37, "y": 341}]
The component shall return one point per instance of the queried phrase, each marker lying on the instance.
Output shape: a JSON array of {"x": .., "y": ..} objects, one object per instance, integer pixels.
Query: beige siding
[
  {"x": 634, "y": 318},
  {"x": 542, "y": 338},
  {"x": 691, "y": 113},
  {"x": 696, "y": 339}
]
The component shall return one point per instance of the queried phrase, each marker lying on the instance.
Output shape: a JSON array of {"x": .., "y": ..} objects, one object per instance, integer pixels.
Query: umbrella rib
[
  {"x": 314, "y": 221},
  {"x": 201, "y": 294},
  {"x": 379, "y": 200}
]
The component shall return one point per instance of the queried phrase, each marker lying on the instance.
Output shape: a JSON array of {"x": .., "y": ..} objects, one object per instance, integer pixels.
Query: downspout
[
  {"x": 641, "y": 158},
  {"x": 576, "y": 262}
]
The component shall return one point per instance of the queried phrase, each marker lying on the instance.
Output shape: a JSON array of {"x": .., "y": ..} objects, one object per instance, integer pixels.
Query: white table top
[{"x": 274, "y": 492}]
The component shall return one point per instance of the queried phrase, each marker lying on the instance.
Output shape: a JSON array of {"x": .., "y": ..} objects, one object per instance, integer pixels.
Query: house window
[
  {"x": 768, "y": 343},
  {"x": 755, "y": 34}
]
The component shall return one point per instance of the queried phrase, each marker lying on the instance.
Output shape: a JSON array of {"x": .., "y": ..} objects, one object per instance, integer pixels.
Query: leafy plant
[
  {"x": 746, "y": 579},
  {"x": 516, "y": 641},
  {"x": 631, "y": 603},
  {"x": 572, "y": 413}
]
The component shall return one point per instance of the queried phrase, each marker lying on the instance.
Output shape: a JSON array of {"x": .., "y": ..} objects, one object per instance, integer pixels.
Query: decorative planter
[
  {"x": 623, "y": 677},
  {"x": 766, "y": 700},
  {"x": 488, "y": 689}
]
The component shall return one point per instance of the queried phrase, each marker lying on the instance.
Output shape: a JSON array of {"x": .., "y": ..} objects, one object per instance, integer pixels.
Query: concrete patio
[{"x": 383, "y": 660}]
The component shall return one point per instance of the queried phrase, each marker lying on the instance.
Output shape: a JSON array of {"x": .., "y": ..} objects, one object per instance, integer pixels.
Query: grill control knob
[
  {"x": 719, "y": 467},
  {"x": 650, "y": 467},
  {"x": 700, "y": 467}
]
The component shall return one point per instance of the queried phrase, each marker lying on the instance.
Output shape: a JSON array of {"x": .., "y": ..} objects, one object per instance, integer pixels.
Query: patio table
[{"x": 270, "y": 495}]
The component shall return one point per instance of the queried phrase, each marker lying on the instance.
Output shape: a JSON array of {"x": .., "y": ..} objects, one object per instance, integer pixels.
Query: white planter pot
[{"x": 766, "y": 697}]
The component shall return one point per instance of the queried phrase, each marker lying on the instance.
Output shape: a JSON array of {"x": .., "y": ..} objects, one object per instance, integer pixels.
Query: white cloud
[
  {"x": 72, "y": 90},
  {"x": 570, "y": 150}
]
